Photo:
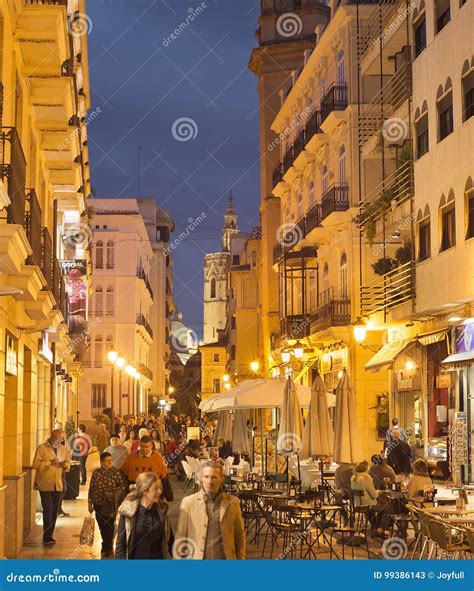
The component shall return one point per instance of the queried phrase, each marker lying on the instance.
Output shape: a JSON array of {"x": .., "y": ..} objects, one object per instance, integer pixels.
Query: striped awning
[
  {"x": 458, "y": 361},
  {"x": 430, "y": 338}
]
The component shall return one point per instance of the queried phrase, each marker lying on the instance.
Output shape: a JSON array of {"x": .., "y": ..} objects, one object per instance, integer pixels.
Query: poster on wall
[
  {"x": 464, "y": 338},
  {"x": 75, "y": 272}
]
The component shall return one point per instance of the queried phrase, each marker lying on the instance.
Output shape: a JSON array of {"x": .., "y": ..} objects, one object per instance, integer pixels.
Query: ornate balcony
[
  {"x": 336, "y": 198},
  {"x": 331, "y": 311},
  {"x": 13, "y": 173},
  {"x": 313, "y": 218},
  {"x": 142, "y": 321},
  {"x": 142, "y": 275},
  {"x": 335, "y": 99}
]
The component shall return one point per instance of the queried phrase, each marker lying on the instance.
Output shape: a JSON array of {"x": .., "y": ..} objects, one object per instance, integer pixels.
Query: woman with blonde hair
[{"x": 144, "y": 530}]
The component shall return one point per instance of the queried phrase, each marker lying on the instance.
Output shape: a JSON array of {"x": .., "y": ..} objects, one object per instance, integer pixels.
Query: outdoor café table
[
  {"x": 441, "y": 501},
  {"x": 322, "y": 513},
  {"x": 448, "y": 511}
]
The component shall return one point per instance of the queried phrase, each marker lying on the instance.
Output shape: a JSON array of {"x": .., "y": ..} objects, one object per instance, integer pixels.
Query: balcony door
[
  {"x": 341, "y": 73},
  {"x": 342, "y": 166},
  {"x": 343, "y": 276}
]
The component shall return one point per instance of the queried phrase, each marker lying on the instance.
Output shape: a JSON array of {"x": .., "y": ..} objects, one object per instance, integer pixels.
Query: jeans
[
  {"x": 106, "y": 525},
  {"x": 83, "y": 460},
  {"x": 50, "y": 503}
]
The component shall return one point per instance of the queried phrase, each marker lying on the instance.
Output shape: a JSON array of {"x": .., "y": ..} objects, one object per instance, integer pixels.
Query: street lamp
[
  {"x": 254, "y": 365},
  {"x": 170, "y": 390},
  {"x": 285, "y": 356},
  {"x": 298, "y": 350},
  {"x": 226, "y": 378},
  {"x": 360, "y": 330}
]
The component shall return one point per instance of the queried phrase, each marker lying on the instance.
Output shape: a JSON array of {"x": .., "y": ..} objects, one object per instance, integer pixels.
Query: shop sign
[
  {"x": 334, "y": 361},
  {"x": 11, "y": 356},
  {"x": 464, "y": 338},
  {"x": 75, "y": 272},
  {"x": 404, "y": 380},
  {"x": 444, "y": 380}
]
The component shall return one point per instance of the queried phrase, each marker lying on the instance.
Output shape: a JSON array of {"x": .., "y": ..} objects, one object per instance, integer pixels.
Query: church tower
[{"x": 215, "y": 279}]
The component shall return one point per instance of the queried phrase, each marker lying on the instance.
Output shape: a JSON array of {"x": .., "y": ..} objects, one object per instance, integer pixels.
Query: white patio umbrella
[
  {"x": 318, "y": 434},
  {"x": 240, "y": 438},
  {"x": 347, "y": 445},
  {"x": 290, "y": 435},
  {"x": 223, "y": 427},
  {"x": 255, "y": 394}
]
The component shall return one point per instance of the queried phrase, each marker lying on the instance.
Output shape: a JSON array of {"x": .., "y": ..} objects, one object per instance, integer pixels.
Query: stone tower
[
  {"x": 215, "y": 279},
  {"x": 286, "y": 32}
]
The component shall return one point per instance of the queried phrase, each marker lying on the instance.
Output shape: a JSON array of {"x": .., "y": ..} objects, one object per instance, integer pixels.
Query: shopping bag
[{"x": 87, "y": 531}]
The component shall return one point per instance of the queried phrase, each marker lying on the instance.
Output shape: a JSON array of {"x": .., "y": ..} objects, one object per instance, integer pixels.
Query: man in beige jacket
[
  {"x": 210, "y": 523},
  {"x": 51, "y": 459}
]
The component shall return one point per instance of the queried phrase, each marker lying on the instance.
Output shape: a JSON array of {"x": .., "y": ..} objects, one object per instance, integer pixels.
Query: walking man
[
  {"x": 106, "y": 492},
  {"x": 210, "y": 524},
  {"x": 50, "y": 462},
  {"x": 389, "y": 435}
]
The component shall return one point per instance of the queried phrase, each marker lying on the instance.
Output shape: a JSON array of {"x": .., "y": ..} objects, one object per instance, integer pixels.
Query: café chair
[{"x": 441, "y": 535}]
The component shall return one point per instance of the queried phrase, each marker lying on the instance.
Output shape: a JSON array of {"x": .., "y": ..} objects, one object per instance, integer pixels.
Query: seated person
[
  {"x": 419, "y": 480},
  {"x": 380, "y": 470}
]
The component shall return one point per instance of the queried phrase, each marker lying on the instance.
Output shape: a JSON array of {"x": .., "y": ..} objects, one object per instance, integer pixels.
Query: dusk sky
[{"x": 144, "y": 81}]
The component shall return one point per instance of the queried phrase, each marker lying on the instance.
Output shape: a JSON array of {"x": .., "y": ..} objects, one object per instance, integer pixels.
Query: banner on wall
[
  {"x": 464, "y": 338},
  {"x": 75, "y": 272}
]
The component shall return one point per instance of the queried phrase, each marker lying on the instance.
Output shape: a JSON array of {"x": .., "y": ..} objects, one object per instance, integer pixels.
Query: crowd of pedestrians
[{"x": 130, "y": 491}]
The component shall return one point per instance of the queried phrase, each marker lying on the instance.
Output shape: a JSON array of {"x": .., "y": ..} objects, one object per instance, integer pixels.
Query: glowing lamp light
[
  {"x": 360, "y": 330},
  {"x": 129, "y": 370},
  {"x": 227, "y": 386},
  {"x": 170, "y": 390},
  {"x": 226, "y": 377},
  {"x": 340, "y": 373},
  {"x": 254, "y": 366},
  {"x": 298, "y": 350},
  {"x": 285, "y": 356},
  {"x": 112, "y": 356},
  {"x": 410, "y": 366},
  {"x": 162, "y": 402},
  {"x": 120, "y": 362},
  {"x": 138, "y": 376}
]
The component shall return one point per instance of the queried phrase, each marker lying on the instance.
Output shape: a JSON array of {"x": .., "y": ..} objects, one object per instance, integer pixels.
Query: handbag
[
  {"x": 167, "y": 490},
  {"x": 87, "y": 531}
]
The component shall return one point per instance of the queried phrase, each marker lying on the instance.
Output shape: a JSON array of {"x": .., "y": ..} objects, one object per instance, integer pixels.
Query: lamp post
[
  {"x": 112, "y": 358},
  {"x": 120, "y": 363}
]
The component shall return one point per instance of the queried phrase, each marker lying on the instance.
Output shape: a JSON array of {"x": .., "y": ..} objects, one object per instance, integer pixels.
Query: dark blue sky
[{"x": 143, "y": 84}]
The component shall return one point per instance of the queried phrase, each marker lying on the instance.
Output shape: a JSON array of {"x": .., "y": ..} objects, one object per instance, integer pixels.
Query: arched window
[
  {"x": 98, "y": 352},
  {"x": 447, "y": 217},
  {"x": 109, "y": 343},
  {"x": 423, "y": 220},
  {"x": 468, "y": 90},
  {"x": 99, "y": 301},
  {"x": 324, "y": 180},
  {"x": 213, "y": 288},
  {"x": 419, "y": 29},
  {"x": 311, "y": 192},
  {"x": 343, "y": 276},
  {"x": 325, "y": 285},
  {"x": 342, "y": 165},
  {"x": 109, "y": 301},
  {"x": 99, "y": 255},
  {"x": 341, "y": 74},
  {"x": 110, "y": 254}
]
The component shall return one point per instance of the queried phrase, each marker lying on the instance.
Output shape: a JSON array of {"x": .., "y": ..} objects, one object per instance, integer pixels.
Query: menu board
[{"x": 458, "y": 443}]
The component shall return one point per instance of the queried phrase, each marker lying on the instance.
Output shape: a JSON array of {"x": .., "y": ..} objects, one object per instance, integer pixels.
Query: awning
[
  {"x": 458, "y": 360},
  {"x": 430, "y": 338},
  {"x": 387, "y": 354}
]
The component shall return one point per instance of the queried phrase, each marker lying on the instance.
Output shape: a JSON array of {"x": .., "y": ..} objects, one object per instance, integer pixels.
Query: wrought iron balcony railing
[
  {"x": 389, "y": 290},
  {"x": 142, "y": 275},
  {"x": 335, "y": 99},
  {"x": 375, "y": 26},
  {"x": 336, "y": 198},
  {"x": 142, "y": 321},
  {"x": 269, "y": 7},
  {"x": 33, "y": 228},
  {"x": 13, "y": 171},
  {"x": 331, "y": 311},
  {"x": 313, "y": 218}
]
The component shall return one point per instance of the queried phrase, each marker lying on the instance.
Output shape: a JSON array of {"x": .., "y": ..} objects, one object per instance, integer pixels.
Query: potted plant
[{"x": 384, "y": 265}]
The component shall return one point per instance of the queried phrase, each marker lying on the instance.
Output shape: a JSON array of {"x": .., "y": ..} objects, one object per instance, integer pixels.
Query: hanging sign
[{"x": 11, "y": 356}]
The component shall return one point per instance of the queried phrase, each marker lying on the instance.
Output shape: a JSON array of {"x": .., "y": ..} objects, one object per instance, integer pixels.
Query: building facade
[
  {"x": 129, "y": 307},
  {"x": 44, "y": 260},
  {"x": 215, "y": 278}
]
